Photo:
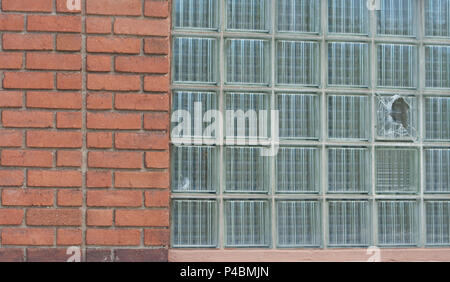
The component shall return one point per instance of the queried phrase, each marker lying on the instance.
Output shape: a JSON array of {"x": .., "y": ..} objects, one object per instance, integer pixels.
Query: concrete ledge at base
[{"x": 330, "y": 255}]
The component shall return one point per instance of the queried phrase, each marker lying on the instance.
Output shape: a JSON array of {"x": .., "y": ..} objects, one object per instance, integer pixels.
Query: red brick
[
  {"x": 28, "y": 236},
  {"x": 156, "y": 45},
  {"x": 144, "y": 141},
  {"x": 27, "y": 6},
  {"x": 68, "y": 237},
  {"x": 11, "y": 216},
  {"x": 53, "y": 61},
  {"x": 68, "y": 42},
  {"x": 157, "y": 198},
  {"x": 11, "y": 22},
  {"x": 29, "y": 158},
  {"x": 11, "y": 178},
  {"x": 113, "y": 45},
  {"x": 113, "y": 237},
  {"x": 53, "y": 139},
  {"x": 37, "y": 119},
  {"x": 48, "y": 255},
  {"x": 142, "y": 102},
  {"x": 16, "y": 41},
  {"x": 99, "y": 140},
  {"x": 99, "y": 179},
  {"x": 68, "y": 158},
  {"x": 98, "y": 255},
  {"x": 141, "y": 255},
  {"x": 156, "y": 83},
  {"x": 115, "y": 159},
  {"x": 99, "y": 217},
  {"x": 149, "y": 179},
  {"x": 70, "y": 198},
  {"x": 54, "y": 178},
  {"x": 142, "y": 217},
  {"x": 11, "y": 60},
  {"x": 27, "y": 197},
  {"x": 157, "y": 9},
  {"x": 114, "y": 198},
  {"x": 62, "y": 7},
  {"x": 154, "y": 27},
  {"x": 68, "y": 120},
  {"x": 98, "y": 25},
  {"x": 157, "y": 159},
  {"x": 11, "y": 255},
  {"x": 156, "y": 121},
  {"x": 28, "y": 80},
  {"x": 68, "y": 81},
  {"x": 142, "y": 64},
  {"x": 54, "y": 23},
  {"x": 113, "y": 82},
  {"x": 114, "y": 7},
  {"x": 10, "y": 99},
  {"x": 10, "y": 138},
  {"x": 54, "y": 100},
  {"x": 113, "y": 121},
  {"x": 98, "y": 63},
  {"x": 156, "y": 237},
  {"x": 99, "y": 101},
  {"x": 54, "y": 217}
]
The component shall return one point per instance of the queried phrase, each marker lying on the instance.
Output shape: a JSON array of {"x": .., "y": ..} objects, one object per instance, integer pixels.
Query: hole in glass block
[{"x": 399, "y": 112}]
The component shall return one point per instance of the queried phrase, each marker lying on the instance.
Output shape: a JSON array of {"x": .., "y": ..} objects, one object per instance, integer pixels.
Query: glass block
[
  {"x": 437, "y": 66},
  {"x": 194, "y": 223},
  {"x": 298, "y": 62},
  {"x": 247, "y": 15},
  {"x": 437, "y": 18},
  {"x": 247, "y": 223},
  {"x": 397, "y": 223},
  {"x": 195, "y": 14},
  {"x": 437, "y": 170},
  {"x": 348, "y": 16},
  {"x": 298, "y": 16},
  {"x": 397, "y": 65},
  {"x": 348, "y": 64},
  {"x": 297, "y": 170},
  {"x": 298, "y": 224},
  {"x": 397, "y": 17},
  {"x": 397, "y": 117},
  {"x": 437, "y": 222},
  {"x": 437, "y": 118}
]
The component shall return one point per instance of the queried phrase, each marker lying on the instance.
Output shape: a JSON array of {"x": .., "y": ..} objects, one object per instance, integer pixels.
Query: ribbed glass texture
[
  {"x": 194, "y": 59},
  {"x": 397, "y": 223},
  {"x": 397, "y": 17},
  {"x": 298, "y": 16},
  {"x": 348, "y": 16},
  {"x": 348, "y": 117},
  {"x": 247, "y": 223},
  {"x": 396, "y": 117},
  {"x": 194, "y": 169},
  {"x": 396, "y": 170},
  {"x": 247, "y": 15},
  {"x": 437, "y": 118},
  {"x": 437, "y": 222},
  {"x": 195, "y": 14},
  {"x": 246, "y": 61},
  {"x": 349, "y": 223},
  {"x": 297, "y": 170},
  {"x": 246, "y": 170},
  {"x": 298, "y": 116},
  {"x": 245, "y": 116},
  {"x": 437, "y": 170},
  {"x": 194, "y": 223},
  {"x": 437, "y": 18},
  {"x": 298, "y": 224},
  {"x": 297, "y": 62},
  {"x": 397, "y": 65},
  {"x": 437, "y": 66},
  {"x": 348, "y": 170},
  {"x": 348, "y": 64},
  {"x": 196, "y": 104}
]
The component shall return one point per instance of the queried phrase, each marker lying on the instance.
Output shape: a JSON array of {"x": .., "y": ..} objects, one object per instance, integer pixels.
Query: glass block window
[
  {"x": 348, "y": 117},
  {"x": 247, "y": 15},
  {"x": 437, "y": 222},
  {"x": 298, "y": 224},
  {"x": 348, "y": 170},
  {"x": 194, "y": 223},
  {"x": 397, "y": 223},
  {"x": 247, "y": 223},
  {"x": 396, "y": 17},
  {"x": 348, "y": 64},
  {"x": 348, "y": 16},
  {"x": 246, "y": 61},
  {"x": 298, "y": 16},
  {"x": 195, "y": 14},
  {"x": 437, "y": 117},
  {"x": 298, "y": 116},
  {"x": 297, "y": 62},
  {"x": 397, "y": 65},
  {"x": 349, "y": 223},
  {"x": 396, "y": 170},
  {"x": 437, "y": 66},
  {"x": 437, "y": 18},
  {"x": 297, "y": 170},
  {"x": 437, "y": 170},
  {"x": 396, "y": 117}
]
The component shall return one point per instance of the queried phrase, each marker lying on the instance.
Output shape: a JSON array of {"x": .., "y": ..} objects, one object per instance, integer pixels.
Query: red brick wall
[{"x": 84, "y": 136}]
